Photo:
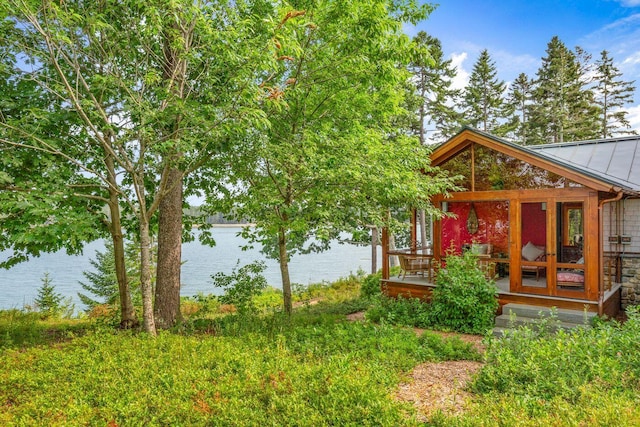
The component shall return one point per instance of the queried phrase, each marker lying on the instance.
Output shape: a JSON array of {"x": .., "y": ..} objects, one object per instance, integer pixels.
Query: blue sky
[{"x": 516, "y": 34}]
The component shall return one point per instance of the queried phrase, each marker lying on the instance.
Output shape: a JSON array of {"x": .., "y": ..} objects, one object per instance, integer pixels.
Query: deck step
[
  {"x": 499, "y": 332},
  {"x": 507, "y": 322},
  {"x": 514, "y": 315},
  {"x": 562, "y": 314}
]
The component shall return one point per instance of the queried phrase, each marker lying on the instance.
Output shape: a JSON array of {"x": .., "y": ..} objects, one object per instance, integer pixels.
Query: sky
[{"x": 516, "y": 34}]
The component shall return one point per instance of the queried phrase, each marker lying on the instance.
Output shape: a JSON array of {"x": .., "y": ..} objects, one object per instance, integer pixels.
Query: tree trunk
[
  {"x": 167, "y": 293},
  {"x": 128, "y": 318},
  {"x": 423, "y": 228},
  {"x": 284, "y": 271},
  {"x": 374, "y": 250},
  {"x": 393, "y": 260},
  {"x": 145, "y": 276},
  {"x": 177, "y": 43}
]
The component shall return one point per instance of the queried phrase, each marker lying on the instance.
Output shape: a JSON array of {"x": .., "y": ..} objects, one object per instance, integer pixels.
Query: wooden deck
[{"x": 420, "y": 287}]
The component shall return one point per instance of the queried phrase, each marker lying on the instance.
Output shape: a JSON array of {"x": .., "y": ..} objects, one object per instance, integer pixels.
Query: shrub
[
  {"x": 241, "y": 286},
  {"x": 398, "y": 311},
  {"x": 207, "y": 304},
  {"x": 463, "y": 299},
  {"x": 540, "y": 365},
  {"x": 371, "y": 285},
  {"x": 270, "y": 299}
]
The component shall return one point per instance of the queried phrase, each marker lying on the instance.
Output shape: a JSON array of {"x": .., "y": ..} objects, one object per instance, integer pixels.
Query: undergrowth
[
  {"x": 532, "y": 376},
  {"x": 306, "y": 369}
]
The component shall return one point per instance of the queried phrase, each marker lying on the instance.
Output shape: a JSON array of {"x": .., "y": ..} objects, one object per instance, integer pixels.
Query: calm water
[{"x": 19, "y": 285}]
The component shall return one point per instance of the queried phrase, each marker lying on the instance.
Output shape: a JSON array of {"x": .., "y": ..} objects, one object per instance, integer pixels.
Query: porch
[{"x": 418, "y": 286}]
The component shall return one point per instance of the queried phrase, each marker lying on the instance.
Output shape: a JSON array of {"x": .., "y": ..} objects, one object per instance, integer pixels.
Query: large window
[{"x": 484, "y": 169}]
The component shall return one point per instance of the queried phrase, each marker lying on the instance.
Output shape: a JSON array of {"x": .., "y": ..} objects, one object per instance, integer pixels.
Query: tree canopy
[{"x": 329, "y": 161}]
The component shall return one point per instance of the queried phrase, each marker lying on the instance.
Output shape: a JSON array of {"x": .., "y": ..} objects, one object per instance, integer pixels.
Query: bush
[
  {"x": 399, "y": 311},
  {"x": 371, "y": 285},
  {"x": 541, "y": 365},
  {"x": 463, "y": 300},
  {"x": 241, "y": 286}
]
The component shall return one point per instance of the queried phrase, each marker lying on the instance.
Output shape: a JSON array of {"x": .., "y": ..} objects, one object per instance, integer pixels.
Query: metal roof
[{"x": 615, "y": 160}]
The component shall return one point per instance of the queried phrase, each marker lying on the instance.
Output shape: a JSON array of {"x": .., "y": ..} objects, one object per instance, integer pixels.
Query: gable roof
[{"x": 607, "y": 165}]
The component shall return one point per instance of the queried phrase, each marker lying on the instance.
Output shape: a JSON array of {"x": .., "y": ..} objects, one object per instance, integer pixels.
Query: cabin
[{"x": 555, "y": 225}]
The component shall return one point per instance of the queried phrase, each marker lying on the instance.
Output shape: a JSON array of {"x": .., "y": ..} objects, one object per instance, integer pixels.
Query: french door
[{"x": 550, "y": 244}]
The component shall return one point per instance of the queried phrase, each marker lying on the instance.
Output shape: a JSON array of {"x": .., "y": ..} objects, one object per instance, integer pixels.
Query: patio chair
[{"x": 413, "y": 265}]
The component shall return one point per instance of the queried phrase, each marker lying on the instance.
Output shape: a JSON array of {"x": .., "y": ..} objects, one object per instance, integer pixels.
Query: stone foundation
[{"x": 630, "y": 281}]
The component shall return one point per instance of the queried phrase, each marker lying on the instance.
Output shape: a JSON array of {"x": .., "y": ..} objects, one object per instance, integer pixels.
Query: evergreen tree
[
  {"x": 612, "y": 94},
  {"x": 483, "y": 101},
  {"x": 48, "y": 302},
  {"x": 433, "y": 76},
  {"x": 103, "y": 283},
  {"x": 564, "y": 107},
  {"x": 520, "y": 98}
]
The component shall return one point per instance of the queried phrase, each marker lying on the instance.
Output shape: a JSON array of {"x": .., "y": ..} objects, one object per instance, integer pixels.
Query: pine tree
[
  {"x": 564, "y": 107},
  {"x": 612, "y": 94},
  {"x": 436, "y": 99},
  {"x": 48, "y": 302},
  {"x": 103, "y": 283},
  {"x": 520, "y": 98},
  {"x": 483, "y": 102}
]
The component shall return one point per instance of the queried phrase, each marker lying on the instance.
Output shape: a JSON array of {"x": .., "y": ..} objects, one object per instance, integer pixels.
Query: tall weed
[{"x": 531, "y": 363}]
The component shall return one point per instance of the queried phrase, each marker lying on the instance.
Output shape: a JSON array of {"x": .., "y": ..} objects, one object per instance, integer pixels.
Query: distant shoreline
[{"x": 230, "y": 225}]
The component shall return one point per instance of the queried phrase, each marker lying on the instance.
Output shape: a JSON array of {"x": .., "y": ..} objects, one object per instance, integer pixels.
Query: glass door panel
[
  {"x": 570, "y": 271},
  {"x": 534, "y": 244}
]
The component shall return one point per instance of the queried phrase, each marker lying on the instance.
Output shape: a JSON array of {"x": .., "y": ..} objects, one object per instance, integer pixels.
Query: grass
[
  {"x": 20, "y": 329},
  {"x": 307, "y": 370},
  {"x": 314, "y": 368}
]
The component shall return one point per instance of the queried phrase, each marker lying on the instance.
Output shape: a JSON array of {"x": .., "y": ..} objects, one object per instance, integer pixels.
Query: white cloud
[
  {"x": 634, "y": 117},
  {"x": 618, "y": 37},
  {"x": 510, "y": 65},
  {"x": 632, "y": 59},
  {"x": 622, "y": 40},
  {"x": 630, "y": 3},
  {"x": 462, "y": 75}
]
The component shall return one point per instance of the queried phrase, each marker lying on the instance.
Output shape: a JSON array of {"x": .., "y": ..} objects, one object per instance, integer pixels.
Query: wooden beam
[
  {"x": 473, "y": 167},
  {"x": 559, "y": 193},
  {"x": 385, "y": 253}
]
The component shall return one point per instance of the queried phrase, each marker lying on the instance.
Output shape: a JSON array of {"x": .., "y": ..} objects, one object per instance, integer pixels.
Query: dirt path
[{"x": 438, "y": 386}]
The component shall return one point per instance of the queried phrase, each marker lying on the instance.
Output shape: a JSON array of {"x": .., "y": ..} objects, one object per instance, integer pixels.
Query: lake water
[{"x": 19, "y": 285}]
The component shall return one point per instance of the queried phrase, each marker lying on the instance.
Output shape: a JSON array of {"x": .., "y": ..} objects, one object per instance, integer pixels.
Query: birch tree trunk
[
  {"x": 145, "y": 276},
  {"x": 423, "y": 228},
  {"x": 284, "y": 270}
]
